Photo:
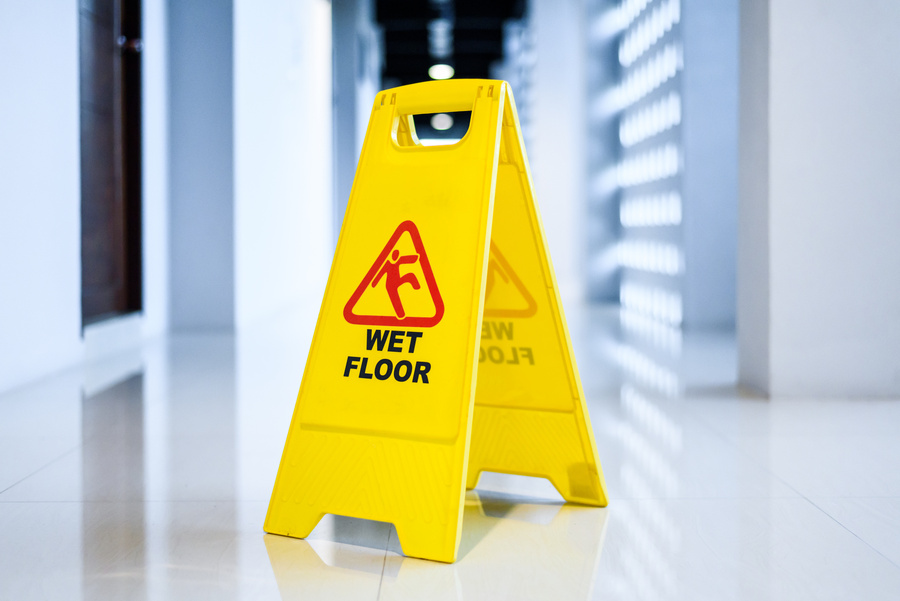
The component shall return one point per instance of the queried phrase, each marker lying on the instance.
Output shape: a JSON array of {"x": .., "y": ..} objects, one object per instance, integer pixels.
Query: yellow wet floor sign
[{"x": 441, "y": 349}]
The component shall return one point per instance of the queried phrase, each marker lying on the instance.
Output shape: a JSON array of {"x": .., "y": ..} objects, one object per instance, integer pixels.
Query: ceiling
[{"x": 466, "y": 34}]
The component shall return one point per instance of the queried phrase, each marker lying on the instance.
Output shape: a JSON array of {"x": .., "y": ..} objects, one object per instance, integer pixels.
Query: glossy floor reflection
[{"x": 147, "y": 476}]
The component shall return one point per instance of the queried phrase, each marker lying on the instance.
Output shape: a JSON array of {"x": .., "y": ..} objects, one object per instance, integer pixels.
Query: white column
[
  {"x": 40, "y": 196},
  {"x": 357, "y": 80},
  {"x": 201, "y": 164},
  {"x": 557, "y": 154},
  {"x": 709, "y": 130},
  {"x": 251, "y": 158},
  {"x": 282, "y": 155},
  {"x": 156, "y": 168},
  {"x": 819, "y": 225}
]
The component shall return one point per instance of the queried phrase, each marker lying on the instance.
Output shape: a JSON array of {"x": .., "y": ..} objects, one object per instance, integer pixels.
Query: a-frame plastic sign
[{"x": 441, "y": 349}]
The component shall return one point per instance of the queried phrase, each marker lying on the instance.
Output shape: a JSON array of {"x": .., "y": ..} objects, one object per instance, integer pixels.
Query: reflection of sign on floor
[
  {"x": 399, "y": 289},
  {"x": 506, "y": 548},
  {"x": 504, "y": 293}
]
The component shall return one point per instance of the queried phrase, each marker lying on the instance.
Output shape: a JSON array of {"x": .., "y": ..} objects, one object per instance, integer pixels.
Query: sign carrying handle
[
  {"x": 446, "y": 96},
  {"x": 434, "y": 97}
]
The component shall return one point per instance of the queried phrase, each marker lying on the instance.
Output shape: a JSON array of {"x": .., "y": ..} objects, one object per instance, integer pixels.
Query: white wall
[
  {"x": 753, "y": 290},
  {"x": 709, "y": 90},
  {"x": 284, "y": 171},
  {"x": 357, "y": 79},
  {"x": 819, "y": 193},
  {"x": 40, "y": 188},
  {"x": 40, "y": 198},
  {"x": 557, "y": 153},
  {"x": 155, "y": 169},
  {"x": 201, "y": 156},
  {"x": 282, "y": 154}
]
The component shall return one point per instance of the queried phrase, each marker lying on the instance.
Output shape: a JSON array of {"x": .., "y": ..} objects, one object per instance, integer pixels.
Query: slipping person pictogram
[
  {"x": 390, "y": 271},
  {"x": 388, "y": 267}
]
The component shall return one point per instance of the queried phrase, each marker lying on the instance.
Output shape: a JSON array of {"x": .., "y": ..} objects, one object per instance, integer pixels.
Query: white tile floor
[{"x": 156, "y": 487}]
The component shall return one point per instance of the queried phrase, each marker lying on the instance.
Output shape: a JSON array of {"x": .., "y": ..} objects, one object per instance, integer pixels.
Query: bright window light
[
  {"x": 442, "y": 122},
  {"x": 440, "y": 71}
]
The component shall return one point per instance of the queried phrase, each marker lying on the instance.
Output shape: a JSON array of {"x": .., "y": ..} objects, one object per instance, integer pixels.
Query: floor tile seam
[
  {"x": 807, "y": 435},
  {"x": 697, "y": 412},
  {"x": 47, "y": 379},
  {"x": 852, "y": 533},
  {"x": 857, "y": 497},
  {"x": 35, "y": 437},
  {"x": 743, "y": 452},
  {"x": 225, "y": 436},
  {"x": 705, "y": 425},
  {"x": 699, "y": 417},
  {"x": 729, "y": 440},
  {"x": 126, "y": 502},
  {"x": 712, "y": 498},
  {"x": 763, "y": 465},
  {"x": 41, "y": 468},
  {"x": 387, "y": 544},
  {"x": 701, "y": 497},
  {"x": 132, "y": 500}
]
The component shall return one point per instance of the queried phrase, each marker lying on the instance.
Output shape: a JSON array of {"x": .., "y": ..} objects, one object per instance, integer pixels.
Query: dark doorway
[{"x": 110, "y": 58}]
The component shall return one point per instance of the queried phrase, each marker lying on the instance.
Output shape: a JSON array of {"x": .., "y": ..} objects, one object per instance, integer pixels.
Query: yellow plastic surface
[{"x": 433, "y": 238}]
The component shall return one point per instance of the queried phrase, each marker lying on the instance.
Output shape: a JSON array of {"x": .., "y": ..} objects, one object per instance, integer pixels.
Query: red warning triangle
[
  {"x": 402, "y": 299},
  {"x": 504, "y": 294}
]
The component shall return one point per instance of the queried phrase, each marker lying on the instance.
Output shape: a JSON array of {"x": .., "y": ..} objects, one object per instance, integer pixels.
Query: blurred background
[{"x": 184, "y": 166}]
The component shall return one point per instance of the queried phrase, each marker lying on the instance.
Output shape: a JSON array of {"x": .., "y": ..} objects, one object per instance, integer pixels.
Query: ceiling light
[
  {"x": 440, "y": 71},
  {"x": 442, "y": 122}
]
